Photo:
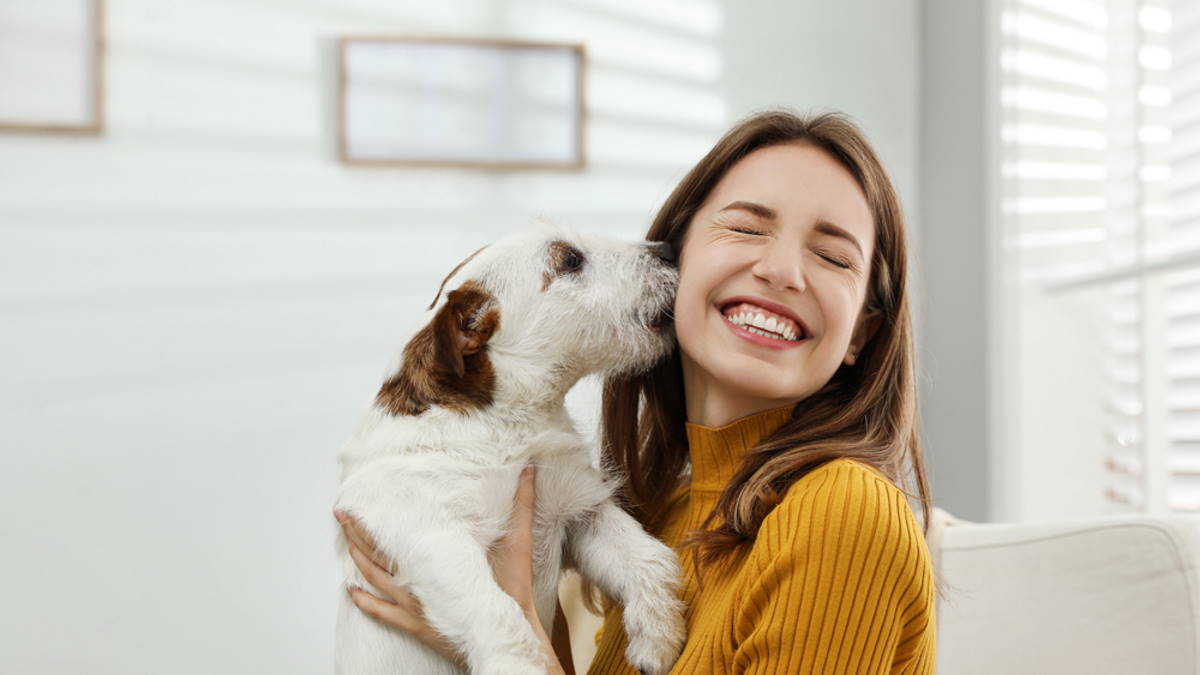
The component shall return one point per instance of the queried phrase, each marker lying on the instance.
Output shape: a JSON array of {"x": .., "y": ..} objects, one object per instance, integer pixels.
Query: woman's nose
[{"x": 780, "y": 267}]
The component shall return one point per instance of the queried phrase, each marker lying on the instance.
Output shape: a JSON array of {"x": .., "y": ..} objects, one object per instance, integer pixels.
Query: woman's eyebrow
[
  {"x": 757, "y": 209},
  {"x": 833, "y": 230},
  {"x": 767, "y": 213}
]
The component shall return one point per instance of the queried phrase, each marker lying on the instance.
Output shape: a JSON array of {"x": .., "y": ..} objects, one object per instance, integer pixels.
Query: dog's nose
[{"x": 664, "y": 251}]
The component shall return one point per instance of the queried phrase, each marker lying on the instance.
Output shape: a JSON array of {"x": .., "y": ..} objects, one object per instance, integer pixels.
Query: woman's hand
[
  {"x": 512, "y": 565},
  {"x": 400, "y": 609},
  {"x": 512, "y": 556}
]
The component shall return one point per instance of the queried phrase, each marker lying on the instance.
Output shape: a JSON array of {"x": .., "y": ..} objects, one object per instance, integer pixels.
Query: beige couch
[
  {"x": 1096, "y": 596},
  {"x": 1114, "y": 595}
]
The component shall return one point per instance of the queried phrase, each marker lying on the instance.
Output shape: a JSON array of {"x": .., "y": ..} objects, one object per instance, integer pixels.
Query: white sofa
[
  {"x": 1096, "y": 596},
  {"x": 1114, "y": 595}
]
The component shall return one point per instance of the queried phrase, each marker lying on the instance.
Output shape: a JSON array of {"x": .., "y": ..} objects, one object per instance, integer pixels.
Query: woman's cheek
[
  {"x": 686, "y": 321},
  {"x": 689, "y": 304}
]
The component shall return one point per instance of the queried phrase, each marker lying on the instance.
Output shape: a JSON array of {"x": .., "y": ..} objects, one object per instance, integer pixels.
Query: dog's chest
[
  {"x": 483, "y": 439},
  {"x": 565, "y": 490},
  {"x": 469, "y": 470}
]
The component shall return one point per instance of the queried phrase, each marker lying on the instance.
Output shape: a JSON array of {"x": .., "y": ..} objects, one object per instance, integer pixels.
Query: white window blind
[
  {"x": 1100, "y": 143},
  {"x": 1182, "y": 197}
]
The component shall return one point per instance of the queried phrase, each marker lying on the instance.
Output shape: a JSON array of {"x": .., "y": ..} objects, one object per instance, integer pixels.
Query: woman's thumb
[{"x": 525, "y": 490}]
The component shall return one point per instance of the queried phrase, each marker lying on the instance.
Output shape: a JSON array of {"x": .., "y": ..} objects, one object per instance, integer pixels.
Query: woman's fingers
[
  {"x": 519, "y": 540},
  {"x": 522, "y": 517},
  {"x": 401, "y": 609},
  {"x": 359, "y": 537},
  {"x": 406, "y": 615},
  {"x": 521, "y": 523},
  {"x": 371, "y": 571},
  {"x": 376, "y": 574},
  {"x": 387, "y": 612}
]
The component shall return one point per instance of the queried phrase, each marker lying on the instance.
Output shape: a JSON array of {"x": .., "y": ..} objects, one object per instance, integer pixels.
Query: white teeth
[
  {"x": 772, "y": 327},
  {"x": 761, "y": 325}
]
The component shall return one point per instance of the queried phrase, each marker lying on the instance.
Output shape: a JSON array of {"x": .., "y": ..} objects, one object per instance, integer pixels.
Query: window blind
[
  {"x": 1100, "y": 152},
  {"x": 1180, "y": 117}
]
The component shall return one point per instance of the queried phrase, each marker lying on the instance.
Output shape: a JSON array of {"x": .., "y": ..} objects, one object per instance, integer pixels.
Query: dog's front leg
[{"x": 611, "y": 550}]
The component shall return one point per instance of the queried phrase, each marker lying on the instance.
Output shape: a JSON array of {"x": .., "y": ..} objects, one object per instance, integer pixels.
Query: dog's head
[{"x": 528, "y": 316}]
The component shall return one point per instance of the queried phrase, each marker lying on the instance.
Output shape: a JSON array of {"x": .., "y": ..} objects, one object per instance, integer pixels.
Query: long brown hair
[{"x": 867, "y": 412}]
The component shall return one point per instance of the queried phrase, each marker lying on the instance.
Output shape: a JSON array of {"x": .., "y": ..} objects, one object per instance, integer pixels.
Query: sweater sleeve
[{"x": 844, "y": 583}]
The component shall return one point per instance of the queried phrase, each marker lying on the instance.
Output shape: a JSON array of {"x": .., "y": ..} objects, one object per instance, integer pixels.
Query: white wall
[
  {"x": 1011, "y": 400},
  {"x": 198, "y": 303},
  {"x": 857, "y": 56},
  {"x": 961, "y": 331}
]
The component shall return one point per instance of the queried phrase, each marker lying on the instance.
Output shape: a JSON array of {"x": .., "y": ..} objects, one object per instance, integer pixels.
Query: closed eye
[
  {"x": 840, "y": 263},
  {"x": 742, "y": 229},
  {"x": 745, "y": 230}
]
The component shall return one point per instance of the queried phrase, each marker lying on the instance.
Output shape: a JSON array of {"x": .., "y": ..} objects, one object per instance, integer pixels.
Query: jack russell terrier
[{"x": 432, "y": 470}]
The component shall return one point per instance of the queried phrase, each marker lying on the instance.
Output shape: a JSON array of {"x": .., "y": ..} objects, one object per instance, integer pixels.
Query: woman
[{"x": 769, "y": 447}]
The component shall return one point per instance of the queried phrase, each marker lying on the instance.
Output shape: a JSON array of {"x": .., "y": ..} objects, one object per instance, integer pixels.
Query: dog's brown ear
[
  {"x": 462, "y": 327},
  {"x": 446, "y": 362}
]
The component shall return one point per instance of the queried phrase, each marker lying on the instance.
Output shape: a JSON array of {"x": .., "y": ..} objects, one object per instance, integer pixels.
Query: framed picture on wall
[
  {"x": 51, "y": 65},
  {"x": 426, "y": 101}
]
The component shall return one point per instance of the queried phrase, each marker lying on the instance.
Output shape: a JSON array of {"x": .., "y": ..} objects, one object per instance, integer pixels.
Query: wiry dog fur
[{"x": 432, "y": 471}]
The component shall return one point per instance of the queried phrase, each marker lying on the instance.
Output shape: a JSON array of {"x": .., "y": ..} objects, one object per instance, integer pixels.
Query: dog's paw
[{"x": 656, "y": 636}]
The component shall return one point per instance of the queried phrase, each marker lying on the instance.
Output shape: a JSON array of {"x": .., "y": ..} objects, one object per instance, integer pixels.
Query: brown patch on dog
[
  {"x": 446, "y": 362},
  {"x": 454, "y": 271}
]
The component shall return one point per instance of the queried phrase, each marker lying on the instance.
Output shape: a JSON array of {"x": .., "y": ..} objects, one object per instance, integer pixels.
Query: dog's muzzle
[{"x": 664, "y": 251}]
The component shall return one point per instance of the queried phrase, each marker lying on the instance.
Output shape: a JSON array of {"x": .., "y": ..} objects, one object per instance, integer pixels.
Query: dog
[{"x": 431, "y": 472}]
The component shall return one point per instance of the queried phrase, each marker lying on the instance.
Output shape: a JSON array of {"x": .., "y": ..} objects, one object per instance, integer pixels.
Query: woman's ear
[{"x": 868, "y": 323}]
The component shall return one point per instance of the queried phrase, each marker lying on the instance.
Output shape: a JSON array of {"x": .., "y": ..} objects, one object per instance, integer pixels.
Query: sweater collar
[{"x": 717, "y": 452}]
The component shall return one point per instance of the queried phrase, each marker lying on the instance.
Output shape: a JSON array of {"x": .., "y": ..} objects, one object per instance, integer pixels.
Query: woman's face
[{"x": 786, "y": 234}]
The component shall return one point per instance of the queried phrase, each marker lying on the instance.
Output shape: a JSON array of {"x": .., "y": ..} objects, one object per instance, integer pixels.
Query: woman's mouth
[{"x": 762, "y": 327}]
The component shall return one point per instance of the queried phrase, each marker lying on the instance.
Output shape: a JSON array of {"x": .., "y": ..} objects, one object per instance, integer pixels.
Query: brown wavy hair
[{"x": 867, "y": 412}]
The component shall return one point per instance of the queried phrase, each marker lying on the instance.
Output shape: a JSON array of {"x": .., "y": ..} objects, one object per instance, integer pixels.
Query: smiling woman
[
  {"x": 773, "y": 448},
  {"x": 764, "y": 245}
]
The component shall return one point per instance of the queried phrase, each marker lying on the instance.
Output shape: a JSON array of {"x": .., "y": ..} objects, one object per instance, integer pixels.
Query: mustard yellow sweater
[{"x": 839, "y": 579}]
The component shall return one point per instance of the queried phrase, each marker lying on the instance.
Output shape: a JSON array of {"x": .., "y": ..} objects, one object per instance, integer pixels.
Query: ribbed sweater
[{"x": 839, "y": 579}]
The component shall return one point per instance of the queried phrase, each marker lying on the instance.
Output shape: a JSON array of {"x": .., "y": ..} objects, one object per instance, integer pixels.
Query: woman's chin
[{"x": 760, "y": 383}]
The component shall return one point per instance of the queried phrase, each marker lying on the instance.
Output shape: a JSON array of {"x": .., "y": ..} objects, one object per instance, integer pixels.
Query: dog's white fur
[{"x": 435, "y": 489}]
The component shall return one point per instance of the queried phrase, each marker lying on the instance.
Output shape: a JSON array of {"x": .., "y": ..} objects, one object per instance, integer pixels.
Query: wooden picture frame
[
  {"x": 517, "y": 104},
  {"x": 62, "y": 42}
]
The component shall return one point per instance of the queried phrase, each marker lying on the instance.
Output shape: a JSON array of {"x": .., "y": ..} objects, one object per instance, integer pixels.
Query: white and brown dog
[{"x": 432, "y": 471}]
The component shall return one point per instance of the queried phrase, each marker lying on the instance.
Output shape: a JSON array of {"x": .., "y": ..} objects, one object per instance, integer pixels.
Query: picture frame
[
  {"x": 460, "y": 102},
  {"x": 52, "y": 65}
]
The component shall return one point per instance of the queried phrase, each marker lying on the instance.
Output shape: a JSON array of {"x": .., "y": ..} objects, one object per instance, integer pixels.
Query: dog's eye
[
  {"x": 573, "y": 260},
  {"x": 564, "y": 259}
]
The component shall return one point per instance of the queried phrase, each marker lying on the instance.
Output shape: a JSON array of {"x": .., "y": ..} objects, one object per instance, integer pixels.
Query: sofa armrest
[{"x": 1103, "y": 595}]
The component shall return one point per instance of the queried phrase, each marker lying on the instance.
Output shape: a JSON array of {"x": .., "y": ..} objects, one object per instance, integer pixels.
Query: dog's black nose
[{"x": 664, "y": 251}]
